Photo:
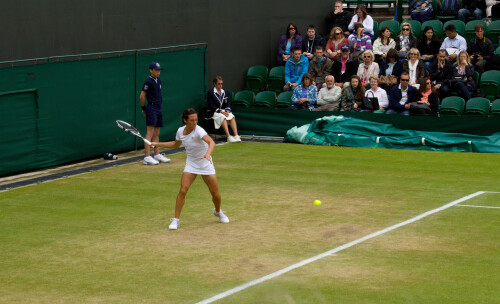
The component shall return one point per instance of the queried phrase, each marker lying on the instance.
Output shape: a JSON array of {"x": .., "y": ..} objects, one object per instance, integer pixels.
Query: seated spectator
[
  {"x": 329, "y": 96},
  {"x": 319, "y": 67},
  {"x": 312, "y": 40},
  {"x": 219, "y": 109},
  {"x": 379, "y": 93},
  {"x": 305, "y": 95},
  {"x": 339, "y": 18},
  {"x": 461, "y": 76},
  {"x": 336, "y": 41},
  {"x": 287, "y": 43},
  {"x": 453, "y": 43},
  {"x": 359, "y": 42},
  {"x": 344, "y": 67},
  {"x": 405, "y": 40},
  {"x": 390, "y": 70},
  {"x": 414, "y": 67},
  {"x": 428, "y": 46},
  {"x": 480, "y": 49},
  {"x": 295, "y": 68},
  {"x": 401, "y": 96},
  {"x": 448, "y": 7},
  {"x": 383, "y": 44},
  {"x": 440, "y": 71},
  {"x": 367, "y": 68},
  {"x": 472, "y": 7},
  {"x": 362, "y": 17},
  {"x": 352, "y": 97},
  {"x": 426, "y": 101},
  {"x": 420, "y": 10}
]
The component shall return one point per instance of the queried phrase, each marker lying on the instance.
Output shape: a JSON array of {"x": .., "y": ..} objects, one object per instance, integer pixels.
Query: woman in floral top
[{"x": 305, "y": 95}]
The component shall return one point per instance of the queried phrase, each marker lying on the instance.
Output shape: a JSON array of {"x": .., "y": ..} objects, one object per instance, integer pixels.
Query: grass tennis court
[{"x": 103, "y": 237}]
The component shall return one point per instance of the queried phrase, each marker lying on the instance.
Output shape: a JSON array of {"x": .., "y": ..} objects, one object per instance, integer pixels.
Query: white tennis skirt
[
  {"x": 202, "y": 167},
  {"x": 219, "y": 118}
]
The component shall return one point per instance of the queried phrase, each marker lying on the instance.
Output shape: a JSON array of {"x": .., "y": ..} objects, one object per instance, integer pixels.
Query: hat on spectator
[
  {"x": 344, "y": 47},
  {"x": 155, "y": 66}
]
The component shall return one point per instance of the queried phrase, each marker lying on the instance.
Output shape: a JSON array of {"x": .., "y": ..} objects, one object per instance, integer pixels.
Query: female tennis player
[{"x": 199, "y": 146}]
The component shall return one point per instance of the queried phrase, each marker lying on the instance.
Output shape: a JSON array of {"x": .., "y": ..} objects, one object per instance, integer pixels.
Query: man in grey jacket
[{"x": 329, "y": 96}]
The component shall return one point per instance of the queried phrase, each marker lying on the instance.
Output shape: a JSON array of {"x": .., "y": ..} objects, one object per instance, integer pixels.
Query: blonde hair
[
  {"x": 406, "y": 24},
  {"x": 373, "y": 77},
  {"x": 468, "y": 57},
  {"x": 332, "y": 33},
  {"x": 369, "y": 53},
  {"x": 413, "y": 50}
]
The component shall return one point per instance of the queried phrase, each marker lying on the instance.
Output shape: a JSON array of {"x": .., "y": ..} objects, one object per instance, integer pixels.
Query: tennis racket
[{"x": 125, "y": 126}]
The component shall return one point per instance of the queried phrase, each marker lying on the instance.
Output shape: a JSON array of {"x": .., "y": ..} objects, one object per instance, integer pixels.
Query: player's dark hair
[{"x": 186, "y": 114}]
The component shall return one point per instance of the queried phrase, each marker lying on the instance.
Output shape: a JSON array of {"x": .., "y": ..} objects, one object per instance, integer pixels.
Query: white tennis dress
[{"x": 196, "y": 147}]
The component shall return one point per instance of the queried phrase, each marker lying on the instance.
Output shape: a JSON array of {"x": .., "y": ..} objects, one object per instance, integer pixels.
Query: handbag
[
  {"x": 420, "y": 108},
  {"x": 370, "y": 103}
]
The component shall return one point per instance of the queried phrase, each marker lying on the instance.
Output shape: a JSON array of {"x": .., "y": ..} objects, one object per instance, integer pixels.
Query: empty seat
[
  {"x": 452, "y": 106},
  {"x": 243, "y": 99},
  {"x": 489, "y": 85},
  {"x": 256, "y": 77},
  {"x": 276, "y": 79},
  {"x": 495, "y": 108},
  {"x": 478, "y": 106},
  {"x": 493, "y": 31},
  {"x": 265, "y": 99},
  {"x": 284, "y": 100}
]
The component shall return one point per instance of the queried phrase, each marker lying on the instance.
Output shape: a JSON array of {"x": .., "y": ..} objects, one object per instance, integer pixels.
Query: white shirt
[
  {"x": 381, "y": 95},
  {"x": 196, "y": 147}
]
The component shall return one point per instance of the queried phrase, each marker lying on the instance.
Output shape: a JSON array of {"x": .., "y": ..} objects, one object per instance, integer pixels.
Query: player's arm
[
  {"x": 142, "y": 99},
  {"x": 168, "y": 144},
  {"x": 211, "y": 146}
]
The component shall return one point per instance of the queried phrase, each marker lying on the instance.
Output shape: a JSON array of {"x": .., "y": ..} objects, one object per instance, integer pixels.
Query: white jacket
[
  {"x": 381, "y": 94},
  {"x": 329, "y": 96}
]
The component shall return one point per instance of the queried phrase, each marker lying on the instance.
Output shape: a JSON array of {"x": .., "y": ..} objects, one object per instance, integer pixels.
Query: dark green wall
[{"x": 239, "y": 33}]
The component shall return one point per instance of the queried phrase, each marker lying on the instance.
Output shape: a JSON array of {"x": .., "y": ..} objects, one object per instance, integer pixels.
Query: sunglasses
[
  {"x": 292, "y": 28},
  {"x": 367, "y": 56},
  {"x": 427, "y": 83},
  {"x": 338, "y": 33},
  {"x": 406, "y": 29},
  {"x": 405, "y": 79},
  {"x": 413, "y": 54}
]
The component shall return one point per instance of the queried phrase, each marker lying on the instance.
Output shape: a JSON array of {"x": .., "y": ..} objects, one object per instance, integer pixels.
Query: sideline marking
[
  {"x": 328, "y": 253},
  {"x": 478, "y": 206}
]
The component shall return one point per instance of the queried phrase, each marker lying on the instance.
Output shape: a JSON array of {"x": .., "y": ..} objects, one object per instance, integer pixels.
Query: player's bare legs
[
  {"x": 213, "y": 187},
  {"x": 187, "y": 180}
]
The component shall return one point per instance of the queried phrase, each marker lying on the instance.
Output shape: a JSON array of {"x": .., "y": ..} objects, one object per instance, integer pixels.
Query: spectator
[
  {"x": 311, "y": 41},
  {"x": 420, "y": 10},
  {"x": 405, "y": 40},
  {"x": 336, "y": 41},
  {"x": 295, "y": 68},
  {"x": 344, "y": 67},
  {"x": 414, "y": 67},
  {"x": 287, "y": 43},
  {"x": 428, "y": 46},
  {"x": 319, "y": 67},
  {"x": 383, "y": 44},
  {"x": 426, "y": 101},
  {"x": 453, "y": 43},
  {"x": 390, "y": 70},
  {"x": 329, "y": 96},
  {"x": 492, "y": 9},
  {"x": 379, "y": 93},
  {"x": 461, "y": 76},
  {"x": 449, "y": 7},
  {"x": 339, "y": 18},
  {"x": 219, "y": 109},
  {"x": 359, "y": 42},
  {"x": 440, "y": 71},
  {"x": 401, "y": 96},
  {"x": 362, "y": 17},
  {"x": 367, "y": 68},
  {"x": 352, "y": 97},
  {"x": 480, "y": 49},
  {"x": 305, "y": 95},
  {"x": 472, "y": 7}
]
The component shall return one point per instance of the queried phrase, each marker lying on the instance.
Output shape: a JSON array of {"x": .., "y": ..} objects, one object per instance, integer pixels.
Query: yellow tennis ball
[{"x": 317, "y": 202}]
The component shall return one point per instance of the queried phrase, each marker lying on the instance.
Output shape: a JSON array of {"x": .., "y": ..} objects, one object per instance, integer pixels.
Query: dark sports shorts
[{"x": 154, "y": 117}]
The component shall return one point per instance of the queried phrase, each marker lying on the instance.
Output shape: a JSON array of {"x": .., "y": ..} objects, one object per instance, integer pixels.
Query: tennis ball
[{"x": 317, "y": 202}]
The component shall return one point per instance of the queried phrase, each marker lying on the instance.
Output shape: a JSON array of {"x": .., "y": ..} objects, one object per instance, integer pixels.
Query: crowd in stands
[{"x": 353, "y": 68}]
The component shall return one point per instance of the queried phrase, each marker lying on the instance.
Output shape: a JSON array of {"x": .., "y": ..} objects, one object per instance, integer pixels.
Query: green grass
[{"x": 103, "y": 237}]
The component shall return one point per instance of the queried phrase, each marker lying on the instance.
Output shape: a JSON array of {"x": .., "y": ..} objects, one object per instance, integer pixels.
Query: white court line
[
  {"x": 330, "y": 252},
  {"x": 478, "y": 206}
]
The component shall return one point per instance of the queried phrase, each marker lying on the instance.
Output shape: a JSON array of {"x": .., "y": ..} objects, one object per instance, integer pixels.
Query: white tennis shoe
[
  {"x": 237, "y": 138},
  {"x": 231, "y": 139},
  {"x": 174, "y": 224},
  {"x": 162, "y": 159},
  {"x": 148, "y": 160},
  {"x": 222, "y": 217}
]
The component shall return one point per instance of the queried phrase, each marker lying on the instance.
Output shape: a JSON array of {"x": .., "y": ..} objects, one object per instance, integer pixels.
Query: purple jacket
[{"x": 296, "y": 41}]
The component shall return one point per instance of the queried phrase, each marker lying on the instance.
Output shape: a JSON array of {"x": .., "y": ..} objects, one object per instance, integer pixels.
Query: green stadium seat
[
  {"x": 489, "y": 85},
  {"x": 284, "y": 100},
  {"x": 265, "y": 99},
  {"x": 256, "y": 77},
  {"x": 416, "y": 27},
  {"x": 493, "y": 32},
  {"x": 276, "y": 79},
  {"x": 452, "y": 106},
  {"x": 393, "y": 25},
  {"x": 497, "y": 51},
  {"x": 230, "y": 94},
  {"x": 436, "y": 25},
  {"x": 476, "y": 78},
  {"x": 243, "y": 99},
  {"x": 460, "y": 25},
  {"x": 477, "y": 106},
  {"x": 495, "y": 108},
  {"x": 470, "y": 31}
]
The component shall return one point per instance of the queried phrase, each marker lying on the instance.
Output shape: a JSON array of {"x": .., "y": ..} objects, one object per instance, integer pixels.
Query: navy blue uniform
[{"x": 154, "y": 116}]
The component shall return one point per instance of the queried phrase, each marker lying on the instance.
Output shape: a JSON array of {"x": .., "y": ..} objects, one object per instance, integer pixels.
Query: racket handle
[{"x": 148, "y": 142}]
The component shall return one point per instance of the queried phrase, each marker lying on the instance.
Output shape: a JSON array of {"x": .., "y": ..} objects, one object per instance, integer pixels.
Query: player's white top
[{"x": 196, "y": 147}]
